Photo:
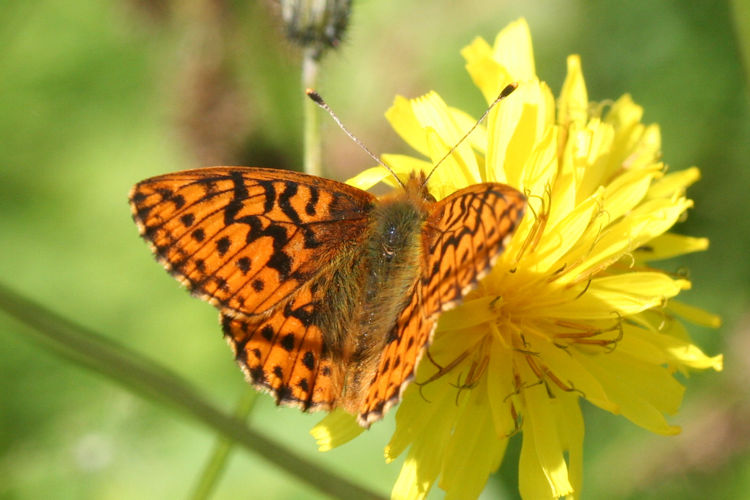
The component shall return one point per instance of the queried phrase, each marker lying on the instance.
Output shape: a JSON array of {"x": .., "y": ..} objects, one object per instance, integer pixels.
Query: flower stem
[
  {"x": 312, "y": 149},
  {"x": 741, "y": 16},
  {"x": 223, "y": 446},
  {"x": 148, "y": 379}
]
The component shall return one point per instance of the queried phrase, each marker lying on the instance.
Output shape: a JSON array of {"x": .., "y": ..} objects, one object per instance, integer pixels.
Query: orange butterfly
[{"x": 328, "y": 295}]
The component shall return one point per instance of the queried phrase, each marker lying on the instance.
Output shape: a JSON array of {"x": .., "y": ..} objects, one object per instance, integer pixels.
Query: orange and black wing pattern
[
  {"x": 285, "y": 354},
  {"x": 462, "y": 238},
  {"x": 259, "y": 245},
  {"x": 246, "y": 239},
  {"x": 465, "y": 234}
]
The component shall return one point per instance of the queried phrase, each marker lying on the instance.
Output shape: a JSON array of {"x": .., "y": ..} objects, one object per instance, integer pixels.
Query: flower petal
[
  {"x": 648, "y": 220},
  {"x": 541, "y": 415},
  {"x": 513, "y": 50},
  {"x": 570, "y": 424},
  {"x": 514, "y": 128},
  {"x": 489, "y": 75},
  {"x": 500, "y": 390},
  {"x": 426, "y": 435},
  {"x": 335, "y": 429},
  {"x": 403, "y": 120},
  {"x": 368, "y": 178},
  {"x": 616, "y": 296},
  {"x": 565, "y": 234},
  {"x": 641, "y": 391},
  {"x": 569, "y": 369},
  {"x": 669, "y": 245},
  {"x": 694, "y": 314},
  {"x": 470, "y": 457},
  {"x": 574, "y": 101},
  {"x": 532, "y": 481},
  {"x": 627, "y": 191},
  {"x": 674, "y": 183}
]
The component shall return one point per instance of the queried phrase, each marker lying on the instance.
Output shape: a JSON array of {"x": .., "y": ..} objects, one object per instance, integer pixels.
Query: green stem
[
  {"x": 144, "y": 377},
  {"x": 215, "y": 466},
  {"x": 741, "y": 15},
  {"x": 312, "y": 149}
]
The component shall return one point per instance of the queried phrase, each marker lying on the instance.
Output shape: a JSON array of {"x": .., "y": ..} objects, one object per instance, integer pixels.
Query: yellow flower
[{"x": 572, "y": 309}]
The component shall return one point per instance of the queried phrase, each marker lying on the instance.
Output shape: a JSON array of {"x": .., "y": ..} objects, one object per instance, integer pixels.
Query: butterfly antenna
[
  {"x": 320, "y": 102},
  {"x": 503, "y": 94}
]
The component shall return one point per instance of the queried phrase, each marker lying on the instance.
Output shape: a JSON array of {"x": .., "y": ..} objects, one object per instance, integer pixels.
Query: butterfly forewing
[
  {"x": 463, "y": 236},
  {"x": 246, "y": 239}
]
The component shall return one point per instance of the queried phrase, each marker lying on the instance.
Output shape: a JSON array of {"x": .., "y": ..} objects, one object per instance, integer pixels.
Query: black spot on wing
[
  {"x": 240, "y": 353},
  {"x": 267, "y": 332},
  {"x": 226, "y": 322},
  {"x": 142, "y": 213},
  {"x": 258, "y": 375},
  {"x": 223, "y": 244},
  {"x": 284, "y": 393},
  {"x": 244, "y": 263},
  {"x": 138, "y": 197},
  {"x": 308, "y": 360},
  {"x": 187, "y": 220},
  {"x": 179, "y": 201},
  {"x": 287, "y": 342}
]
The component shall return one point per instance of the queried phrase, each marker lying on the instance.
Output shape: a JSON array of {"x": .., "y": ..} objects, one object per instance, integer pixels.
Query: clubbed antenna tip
[{"x": 320, "y": 102}]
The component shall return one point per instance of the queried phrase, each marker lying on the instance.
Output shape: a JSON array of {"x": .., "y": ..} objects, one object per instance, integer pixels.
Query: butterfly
[{"x": 328, "y": 295}]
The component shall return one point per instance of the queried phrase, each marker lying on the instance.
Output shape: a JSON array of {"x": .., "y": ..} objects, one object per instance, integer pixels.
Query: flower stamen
[
  {"x": 586, "y": 334},
  {"x": 444, "y": 370}
]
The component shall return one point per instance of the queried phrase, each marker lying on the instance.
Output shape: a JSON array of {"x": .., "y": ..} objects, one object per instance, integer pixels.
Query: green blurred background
[{"x": 95, "y": 96}]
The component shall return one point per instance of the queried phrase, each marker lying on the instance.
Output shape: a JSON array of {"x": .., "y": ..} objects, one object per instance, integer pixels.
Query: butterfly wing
[
  {"x": 247, "y": 239},
  {"x": 284, "y": 353},
  {"x": 463, "y": 236}
]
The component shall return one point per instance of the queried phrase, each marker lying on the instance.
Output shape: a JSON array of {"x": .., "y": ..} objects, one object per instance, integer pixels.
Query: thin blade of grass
[
  {"x": 146, "y": 378},
  {"x": 222, "y": 448}
]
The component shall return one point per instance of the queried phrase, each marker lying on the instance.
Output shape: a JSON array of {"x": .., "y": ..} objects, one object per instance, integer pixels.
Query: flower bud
[{"x": 316, "y": 24}]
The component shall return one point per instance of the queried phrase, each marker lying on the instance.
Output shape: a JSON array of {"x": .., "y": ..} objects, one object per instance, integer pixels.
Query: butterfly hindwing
[
  {"x": 246, "y": 239},
  {"x": 284, "y": 353},
  {"x": 398, "y": 362},
  {"x": 463, "y": 236}
]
